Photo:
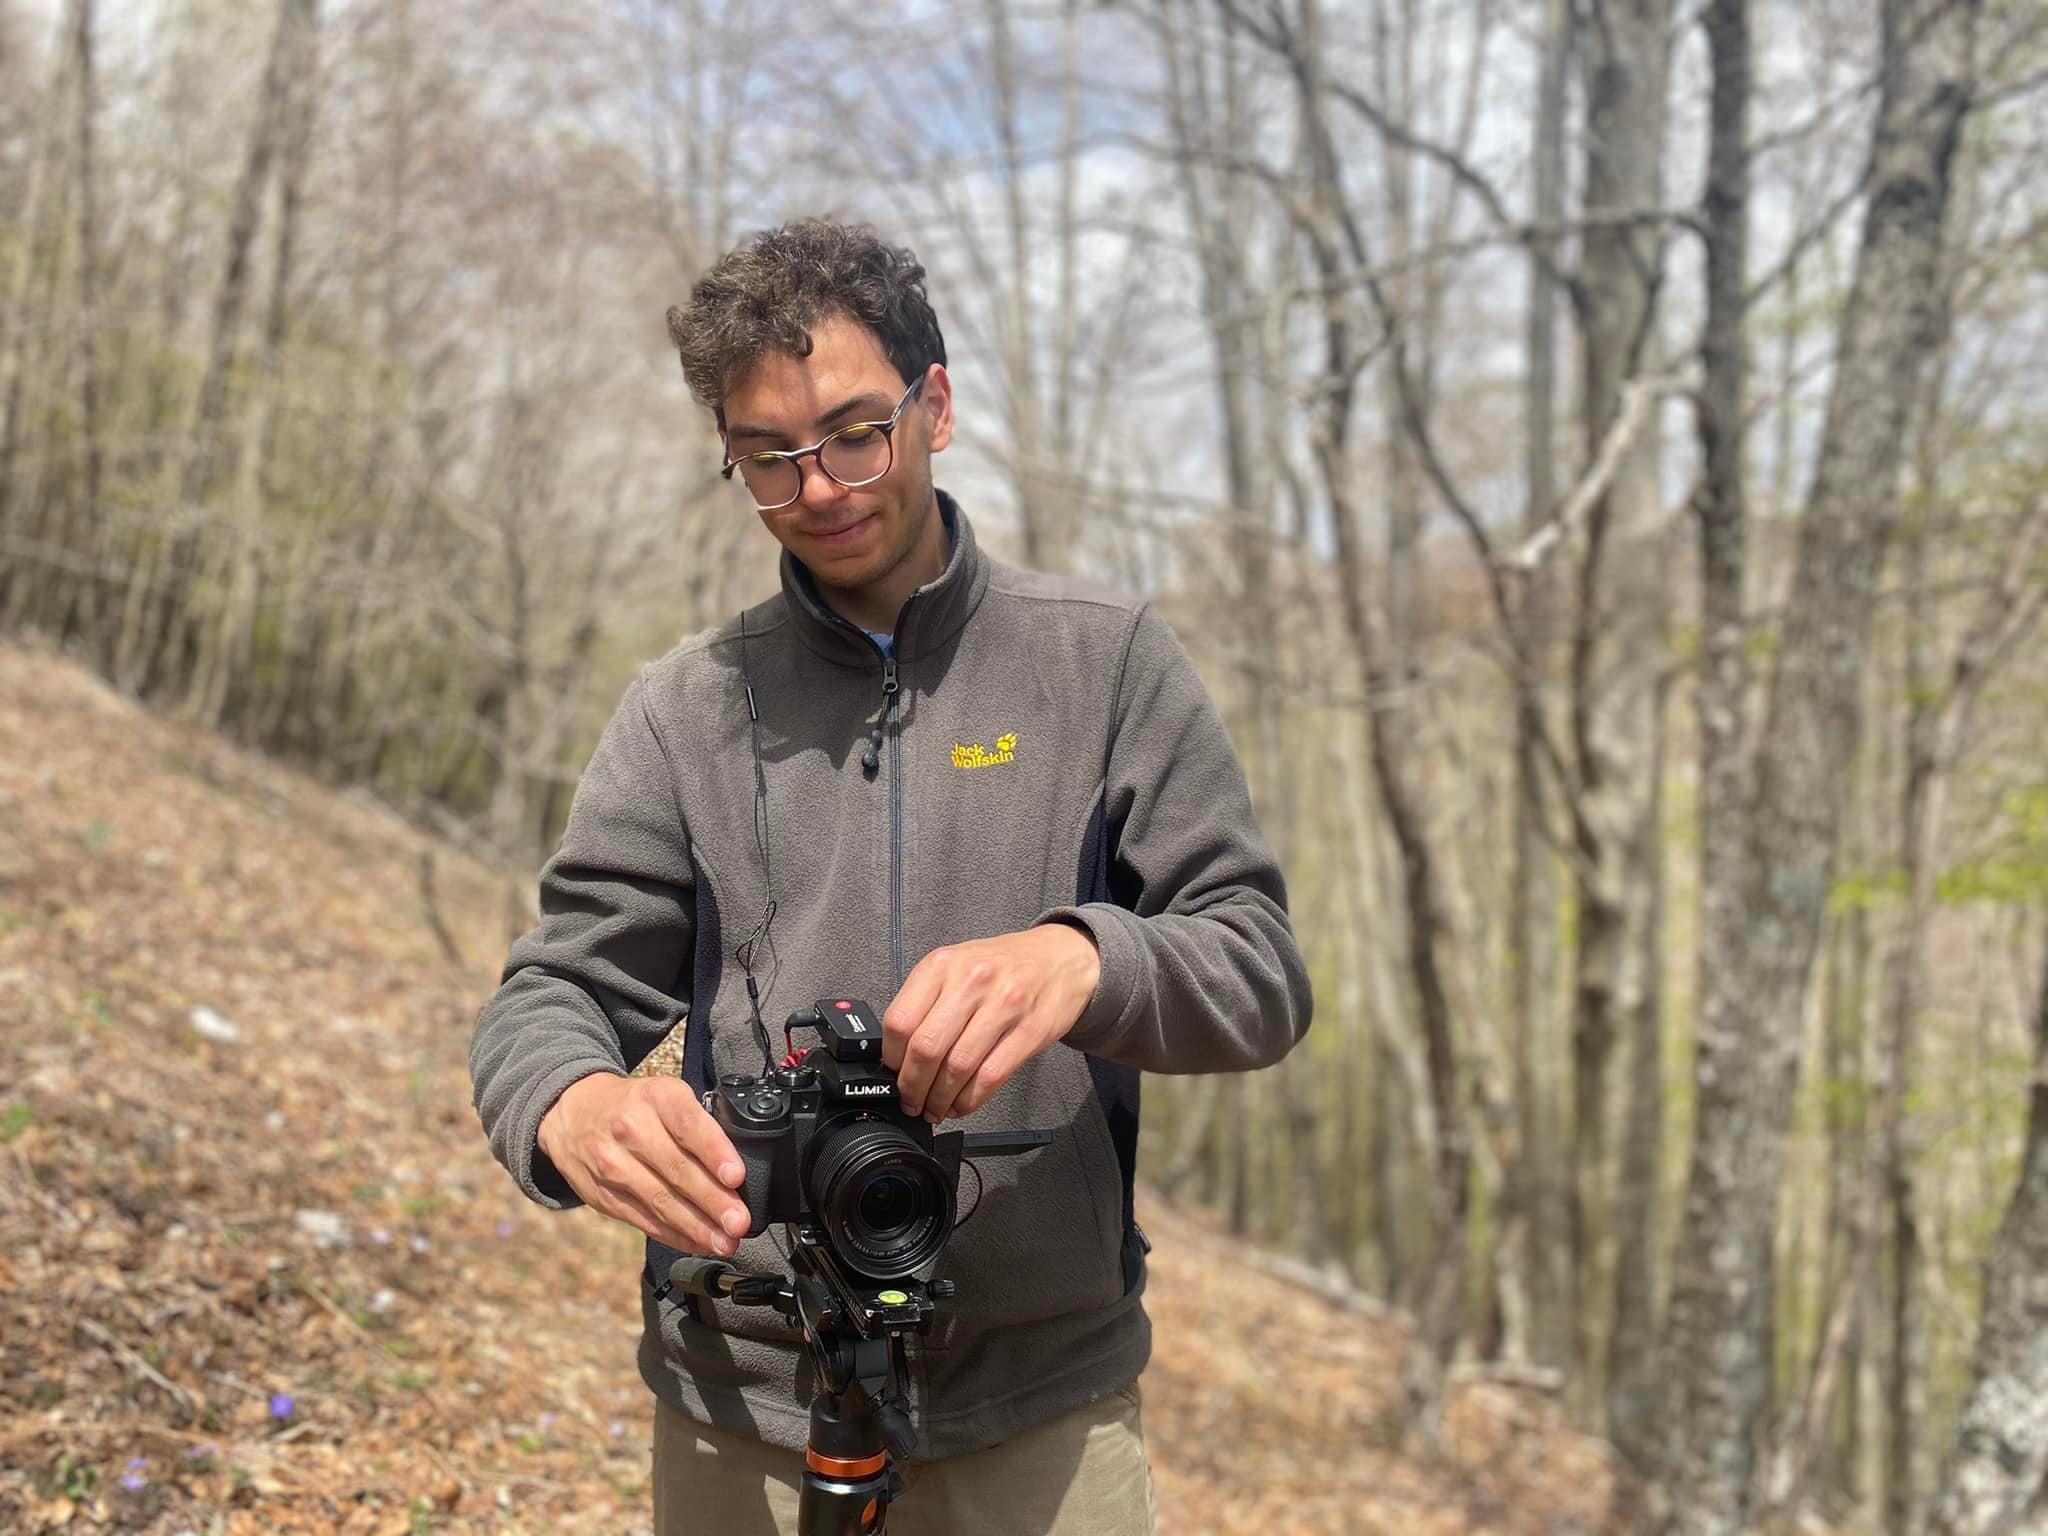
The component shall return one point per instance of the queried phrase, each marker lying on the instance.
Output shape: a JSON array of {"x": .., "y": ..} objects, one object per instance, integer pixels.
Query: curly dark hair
[{"x": 769, "y": 291}]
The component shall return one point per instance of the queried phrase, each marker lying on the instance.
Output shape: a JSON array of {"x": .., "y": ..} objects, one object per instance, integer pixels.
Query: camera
[
  {"x": 867, "y": 1194},
  {"x": 826, "y": 1143}
]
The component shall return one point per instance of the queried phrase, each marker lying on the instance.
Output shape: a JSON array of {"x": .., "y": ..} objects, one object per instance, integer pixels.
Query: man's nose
[{"x": 820, "y": 489}]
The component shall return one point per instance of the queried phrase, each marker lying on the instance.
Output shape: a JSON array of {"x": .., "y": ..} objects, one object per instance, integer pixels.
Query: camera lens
[{"x": 886, "y": 1202}]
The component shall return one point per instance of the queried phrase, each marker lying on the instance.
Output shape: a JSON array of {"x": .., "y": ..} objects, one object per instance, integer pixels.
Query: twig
[
  {"x": 1510, "y": 1373},
  {"x": 137, "y": 1364},
  {"x": 431, "y": 902}
]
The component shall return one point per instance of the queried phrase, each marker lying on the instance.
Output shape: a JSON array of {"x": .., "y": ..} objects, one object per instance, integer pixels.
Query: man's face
[{"x": 850, "y": 539}]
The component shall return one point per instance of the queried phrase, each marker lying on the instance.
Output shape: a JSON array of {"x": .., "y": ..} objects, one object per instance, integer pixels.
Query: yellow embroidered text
[{"x": 978, "y": 756}]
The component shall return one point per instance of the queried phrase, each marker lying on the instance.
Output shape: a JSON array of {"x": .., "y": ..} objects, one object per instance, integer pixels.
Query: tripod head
[{"x": 858, "y": 1417}]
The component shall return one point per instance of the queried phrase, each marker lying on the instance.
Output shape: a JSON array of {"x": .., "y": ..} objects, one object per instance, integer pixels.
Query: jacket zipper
[
  {"x": 871, "y": 763},
  {"x": 890, "y": 695}
]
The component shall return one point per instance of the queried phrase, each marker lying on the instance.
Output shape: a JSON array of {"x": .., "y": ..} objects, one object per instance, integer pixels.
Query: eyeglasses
[{"x": 855, "y": 455}]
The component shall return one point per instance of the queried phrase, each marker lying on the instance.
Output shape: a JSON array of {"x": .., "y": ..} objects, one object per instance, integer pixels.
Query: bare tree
[
  {"x": 1753, "y": 989},
  {"x": 1996, "y": 1469},
  {"x": 1535, "y": 1198},
  {"x": 1616, "y": 657},
  {"x": 158, "y": 599}
]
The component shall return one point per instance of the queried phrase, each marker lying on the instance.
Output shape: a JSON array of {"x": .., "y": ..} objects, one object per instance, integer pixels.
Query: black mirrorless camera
[
  {"x": 867, "y": 1194},
  {"x": 826, "y": 1142}
]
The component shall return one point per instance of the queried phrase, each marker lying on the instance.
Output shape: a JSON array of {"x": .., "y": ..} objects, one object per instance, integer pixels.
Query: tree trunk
[
  {"x": 2000, "y": 1457},
  {"x": 1535, "y": 1207},
  {"x": 234, "y": 647},
  {"x": 1753, "y": 986},
  {"x": 156, "y": 602},
  {"x": 81, "y": 605},
  {"x": 38, "y": 218},
  {"x": 1633, "y": 1379},
  {"x": 1618, "y": 641}
]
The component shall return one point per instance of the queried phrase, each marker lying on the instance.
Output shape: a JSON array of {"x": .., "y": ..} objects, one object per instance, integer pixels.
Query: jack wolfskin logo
[{"x": 978, "y": 756}]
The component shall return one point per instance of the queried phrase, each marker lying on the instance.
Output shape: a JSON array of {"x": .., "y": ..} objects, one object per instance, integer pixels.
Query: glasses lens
[
  {"x": 773, "y": 481},
  {"x": 857, "y": 455}
]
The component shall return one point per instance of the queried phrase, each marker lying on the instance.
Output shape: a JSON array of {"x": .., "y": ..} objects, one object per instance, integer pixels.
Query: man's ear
[{"x": 937, "y": 401}]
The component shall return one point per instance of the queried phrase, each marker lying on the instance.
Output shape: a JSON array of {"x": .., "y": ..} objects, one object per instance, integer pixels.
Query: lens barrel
[{"x": 886, "y": 1202}]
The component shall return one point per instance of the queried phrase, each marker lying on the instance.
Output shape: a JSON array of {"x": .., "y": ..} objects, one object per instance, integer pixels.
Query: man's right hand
[{"x": 644, "y": 1151}]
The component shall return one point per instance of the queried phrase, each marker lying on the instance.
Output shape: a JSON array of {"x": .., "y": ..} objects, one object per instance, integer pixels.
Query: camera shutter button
[{"x": 765, "y": 1103}]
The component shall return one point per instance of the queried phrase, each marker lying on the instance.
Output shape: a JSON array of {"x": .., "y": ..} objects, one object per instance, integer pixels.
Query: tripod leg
[{"x": 844, "y": 1498}]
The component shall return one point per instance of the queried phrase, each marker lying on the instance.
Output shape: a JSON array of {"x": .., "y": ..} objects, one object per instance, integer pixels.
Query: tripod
[
  {"x": 853, "y": 1323},
  {"x": 857, "y": 1417}
]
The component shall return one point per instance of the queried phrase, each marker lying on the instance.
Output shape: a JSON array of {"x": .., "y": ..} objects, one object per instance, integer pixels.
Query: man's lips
[{"x": 839, "y": 535}]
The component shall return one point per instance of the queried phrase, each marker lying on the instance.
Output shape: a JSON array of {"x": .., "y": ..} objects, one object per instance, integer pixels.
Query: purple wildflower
[
  {"x": 132, "y": 1479},
  {"x": 281, "y": 1405},
  {"x": 380, "y": 1235},
  {"x": 504, "y": 1229},
  {"x": 419, "y": 1243},
  {"x": 204, "y": 1452}
]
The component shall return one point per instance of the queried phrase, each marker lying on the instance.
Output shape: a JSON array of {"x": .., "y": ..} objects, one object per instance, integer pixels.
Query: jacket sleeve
[
  {"x": 1200, "y": 972},
  {"x": 604, "y": 977}
]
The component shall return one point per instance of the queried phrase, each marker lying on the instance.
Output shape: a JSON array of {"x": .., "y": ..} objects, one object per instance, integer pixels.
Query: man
[{"x": 998, "y": 803}]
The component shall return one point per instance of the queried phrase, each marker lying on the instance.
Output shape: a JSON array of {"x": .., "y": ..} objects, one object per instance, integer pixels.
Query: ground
[{"x": 258, "y": 1272}]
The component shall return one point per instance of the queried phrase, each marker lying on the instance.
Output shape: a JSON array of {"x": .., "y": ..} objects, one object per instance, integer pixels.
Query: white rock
[
  {"x": 212, "y": 1026},
  {"x": 324, "y": 1227}
]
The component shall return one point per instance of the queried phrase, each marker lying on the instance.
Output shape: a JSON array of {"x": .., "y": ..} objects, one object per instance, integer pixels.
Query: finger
[
  {"x": 683, "y": 1181},
  {"x": 907, "y": 1010},
  {"x": 669, "y": 1221},
  {"x": 927, "y": 1050},
  {"x": 996, "y": 1069},
  {"x": 680, "y": 1172},
  {"x": 991, "y": 1022},
  {"x": 646, "y": 1175},
  {"x": 718, "y": 1226},
  {"x": 693, "y": 1128}
]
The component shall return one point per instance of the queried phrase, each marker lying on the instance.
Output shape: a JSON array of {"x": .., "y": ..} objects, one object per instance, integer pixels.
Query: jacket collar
[{"x": 930, "y": 617}]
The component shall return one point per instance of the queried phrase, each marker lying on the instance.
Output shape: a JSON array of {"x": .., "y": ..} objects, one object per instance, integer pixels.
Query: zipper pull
[{"x": 871, "y": 760}]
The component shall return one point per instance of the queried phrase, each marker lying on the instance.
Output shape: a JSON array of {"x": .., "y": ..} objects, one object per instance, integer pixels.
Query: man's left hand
[{"x": 971, "y": 1014}]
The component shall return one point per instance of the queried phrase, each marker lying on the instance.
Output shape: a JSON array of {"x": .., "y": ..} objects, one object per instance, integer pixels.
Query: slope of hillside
[{"x": 259, "y": 1274}]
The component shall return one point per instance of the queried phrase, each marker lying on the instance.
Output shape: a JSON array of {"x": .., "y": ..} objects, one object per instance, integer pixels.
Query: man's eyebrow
[{"x": 874, "y": 403}]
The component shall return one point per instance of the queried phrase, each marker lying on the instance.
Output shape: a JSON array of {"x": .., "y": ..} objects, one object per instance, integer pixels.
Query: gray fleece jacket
[{"x": 1048, "y": 753}]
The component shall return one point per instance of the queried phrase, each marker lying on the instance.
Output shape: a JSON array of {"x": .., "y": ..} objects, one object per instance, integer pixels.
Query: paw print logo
[{"x": 1007, "y": 742}]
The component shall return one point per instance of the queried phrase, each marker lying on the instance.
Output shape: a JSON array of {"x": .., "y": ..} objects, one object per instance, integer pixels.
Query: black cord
[
  {"x": 750, "y": 947},
  {"x": 962, "y": 1221}
]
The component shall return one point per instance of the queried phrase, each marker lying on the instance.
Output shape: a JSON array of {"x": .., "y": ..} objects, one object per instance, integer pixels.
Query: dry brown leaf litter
[{"x": 274, "y": 1283}]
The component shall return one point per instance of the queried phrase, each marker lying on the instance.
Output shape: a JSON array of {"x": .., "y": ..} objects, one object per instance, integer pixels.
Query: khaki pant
[{"x": 1081, "y": 1475}]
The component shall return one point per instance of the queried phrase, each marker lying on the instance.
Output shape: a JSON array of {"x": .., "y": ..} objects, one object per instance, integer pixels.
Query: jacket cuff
[
  {"x": 538, "y": 1178},
  {"x": 1118, "y": 990}
]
